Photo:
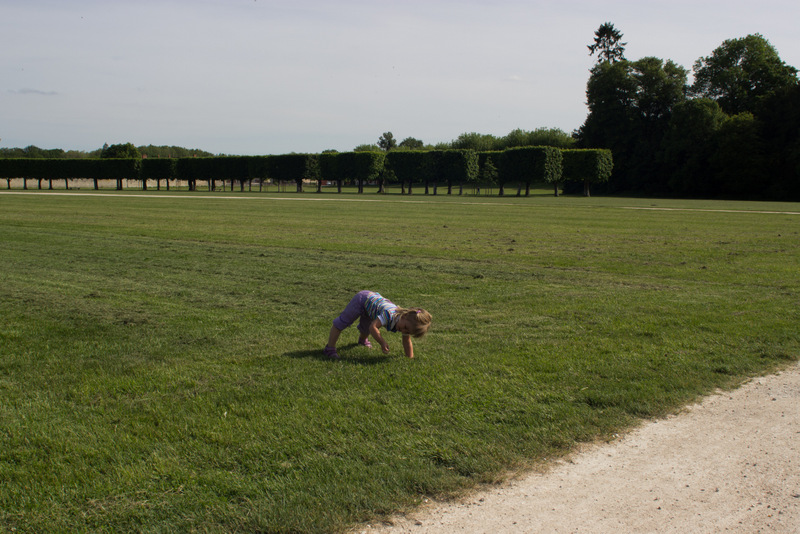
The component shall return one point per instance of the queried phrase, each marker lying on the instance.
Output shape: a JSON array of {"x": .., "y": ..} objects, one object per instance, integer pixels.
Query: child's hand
[{"x": 385, "y": 348}]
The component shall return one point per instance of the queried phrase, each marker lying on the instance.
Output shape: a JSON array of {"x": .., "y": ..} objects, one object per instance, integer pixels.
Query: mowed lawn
[{"x": 161, "y": 365}]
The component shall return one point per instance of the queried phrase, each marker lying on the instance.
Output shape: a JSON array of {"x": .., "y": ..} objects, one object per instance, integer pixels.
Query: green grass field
[{"x": 161, "y": 366}]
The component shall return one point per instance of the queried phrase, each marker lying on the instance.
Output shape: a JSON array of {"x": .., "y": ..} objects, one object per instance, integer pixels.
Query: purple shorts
[{"x": 354, "y": 310}]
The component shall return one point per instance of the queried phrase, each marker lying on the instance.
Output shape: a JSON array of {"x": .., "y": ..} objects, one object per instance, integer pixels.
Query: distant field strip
[
  {"x": 372, "y": 200},
  {"x": 712, "y": 211},
  {"x": 224, "y": 197}
]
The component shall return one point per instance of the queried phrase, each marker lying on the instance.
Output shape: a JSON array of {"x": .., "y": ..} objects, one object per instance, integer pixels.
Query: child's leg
[
  {"x": 333, "y": 337},
  {"x": 363, "y": 329},
  {"x": 347, "y": 317}
]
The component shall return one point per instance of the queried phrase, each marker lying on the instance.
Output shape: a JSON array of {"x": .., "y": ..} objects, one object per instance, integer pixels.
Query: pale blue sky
[{"x": 270, "y": 76}]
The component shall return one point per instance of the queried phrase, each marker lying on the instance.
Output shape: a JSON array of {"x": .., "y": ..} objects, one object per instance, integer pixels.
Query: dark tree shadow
[{"x": 352, "y": 354}]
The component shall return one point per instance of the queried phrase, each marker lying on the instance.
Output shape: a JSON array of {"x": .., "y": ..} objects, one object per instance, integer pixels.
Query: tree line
[
  {"x": 121, "y": 150},
  {"x": 431, "y": 169},
  {"x": 734, "y": 132},
  {"x": 476, "y": 141}
]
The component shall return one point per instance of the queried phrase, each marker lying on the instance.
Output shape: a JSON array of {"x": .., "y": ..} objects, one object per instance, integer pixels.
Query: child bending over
[{"x": 374, "y": 312}]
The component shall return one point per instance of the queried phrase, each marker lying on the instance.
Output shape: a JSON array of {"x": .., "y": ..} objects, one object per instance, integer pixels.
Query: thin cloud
[{"x": 29, "y": 91}]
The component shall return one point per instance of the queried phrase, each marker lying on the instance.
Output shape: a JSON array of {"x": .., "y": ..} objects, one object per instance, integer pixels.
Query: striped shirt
[{"x": 378, "y": 307}]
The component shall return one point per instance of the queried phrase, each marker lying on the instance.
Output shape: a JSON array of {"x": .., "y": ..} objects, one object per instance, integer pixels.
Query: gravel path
[{"x": 728, "y": 464}]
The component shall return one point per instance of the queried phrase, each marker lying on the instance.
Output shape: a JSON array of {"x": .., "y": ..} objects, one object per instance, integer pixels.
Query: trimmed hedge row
[
  {"x": 524, "y": 166},
  {"x": 361, "y": 167},
  {"x": 66, "y": 169},
  {"x": 587, "y": 166}
]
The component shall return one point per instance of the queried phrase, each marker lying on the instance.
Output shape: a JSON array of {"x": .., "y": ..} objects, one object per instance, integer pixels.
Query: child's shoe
[
  {"x": 331, "y": 353},
  {"x": 365, "y": 343}
]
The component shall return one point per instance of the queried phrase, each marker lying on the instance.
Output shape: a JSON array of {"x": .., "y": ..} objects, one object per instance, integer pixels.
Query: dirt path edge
[{"x": 730, "y": 463}]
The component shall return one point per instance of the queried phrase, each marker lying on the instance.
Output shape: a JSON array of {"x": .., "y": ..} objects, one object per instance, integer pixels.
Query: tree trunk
[{"x": 586, "y": 188}]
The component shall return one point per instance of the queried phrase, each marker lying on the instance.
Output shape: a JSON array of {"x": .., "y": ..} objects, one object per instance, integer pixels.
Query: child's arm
[
  {"x": 408, "y": 346},
  {"x": 374, "y": 329}
]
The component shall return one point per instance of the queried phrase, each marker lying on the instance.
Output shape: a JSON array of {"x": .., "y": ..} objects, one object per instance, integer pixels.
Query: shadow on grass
[{"x": 360, "y": 356}]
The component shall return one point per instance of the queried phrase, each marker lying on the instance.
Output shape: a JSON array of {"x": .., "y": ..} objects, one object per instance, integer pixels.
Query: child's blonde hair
[{"x": 419, "y": 319}]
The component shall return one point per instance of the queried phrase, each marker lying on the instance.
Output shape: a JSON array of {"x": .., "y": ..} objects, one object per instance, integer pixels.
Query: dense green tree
[
  {"x": 514, "y": 139},
  {"x": 126, "y": 150},
  {"x": 539, "y": 137},
  {"x": 412, "y": 144},
  {"x": 33, "y": 152},
  {"x": 607, "y": 44},
  {"x": 779, "y": 117},
  {"x": 691, "y": 136},
  {"x": 630, "y": 104},
  {"x": 387, "y": 142},
  {"x": 474, "y": 141},
  {"x": 740, "y": 72},
  {"x": 659, "y": 87},
  {"x": 149, "y": 151},
  {"x": 164, "y": 151},
  {"x": 554, "y": 137},
  {"x": 366, "y": 148},
  {"x": 611, "y": 122},
  {"x": 738, "y": 160}
]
